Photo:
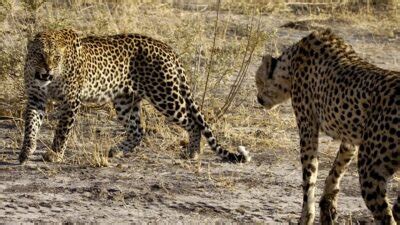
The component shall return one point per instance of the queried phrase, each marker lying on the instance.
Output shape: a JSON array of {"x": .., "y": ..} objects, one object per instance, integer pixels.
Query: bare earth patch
[{"x": 156, "y": 187}]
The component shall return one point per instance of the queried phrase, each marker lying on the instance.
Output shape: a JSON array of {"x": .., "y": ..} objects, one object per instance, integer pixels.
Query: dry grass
[{"x": 189, "y": 27}]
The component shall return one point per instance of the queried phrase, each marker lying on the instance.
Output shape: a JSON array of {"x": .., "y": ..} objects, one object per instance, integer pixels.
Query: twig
[
  {"x": 10, "y": 118},
  {"x": 242, "y": 71},
  {"x": 212, "y": 55}
]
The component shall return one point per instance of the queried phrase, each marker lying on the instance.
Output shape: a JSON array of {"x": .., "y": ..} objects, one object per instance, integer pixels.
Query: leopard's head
[{"x": 47, "y": 53}]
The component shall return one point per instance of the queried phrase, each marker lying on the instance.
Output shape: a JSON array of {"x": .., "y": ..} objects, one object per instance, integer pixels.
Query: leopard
[
  {"x": 333, "y": 90},
  {"x": 122, "y": 69}
]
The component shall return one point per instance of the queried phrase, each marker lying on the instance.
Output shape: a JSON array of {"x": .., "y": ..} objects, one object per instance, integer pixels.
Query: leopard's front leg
[
  {"x": 34, "y": 113},
  {"x": 67, "y": 118}
]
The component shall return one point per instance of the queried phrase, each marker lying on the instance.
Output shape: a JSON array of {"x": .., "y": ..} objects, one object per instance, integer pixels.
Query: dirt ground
[{"x": 153, "y": 185}]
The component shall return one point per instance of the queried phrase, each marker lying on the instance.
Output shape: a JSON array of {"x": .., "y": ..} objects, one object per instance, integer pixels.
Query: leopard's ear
[
  {"x": 29, "y": 44},
  {"x": 60, "y": 38},
  {"x": 68, "y": 34},
  {"x": 65, "y": 37}
]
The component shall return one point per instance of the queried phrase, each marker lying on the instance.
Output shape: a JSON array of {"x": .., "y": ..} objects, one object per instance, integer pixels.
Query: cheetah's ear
[
  {"x": 274, "y": 62},
  {"x": 270, "y": 65},
  {"x": 266, "y": 59}
]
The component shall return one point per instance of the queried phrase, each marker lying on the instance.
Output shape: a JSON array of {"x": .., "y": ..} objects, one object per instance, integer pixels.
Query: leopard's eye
[
  {"x": 37, "y": 75},
  {"x": 56, "y": 58},
  {"x": 40, "y": 55},
  {"x": 259, "y": 81}
]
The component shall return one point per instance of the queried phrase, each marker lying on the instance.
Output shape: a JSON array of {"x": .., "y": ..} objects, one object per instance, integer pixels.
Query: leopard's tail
[{"x": 240, "y": 156}]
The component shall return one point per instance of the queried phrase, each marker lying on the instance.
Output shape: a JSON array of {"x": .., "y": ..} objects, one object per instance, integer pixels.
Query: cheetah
[
  {"x": 333, "y": 90},
  {"x": 122, "y": 69}
]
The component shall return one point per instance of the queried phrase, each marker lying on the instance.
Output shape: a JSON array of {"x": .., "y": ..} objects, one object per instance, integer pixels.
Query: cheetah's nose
[{"x": 260, "y": 100}]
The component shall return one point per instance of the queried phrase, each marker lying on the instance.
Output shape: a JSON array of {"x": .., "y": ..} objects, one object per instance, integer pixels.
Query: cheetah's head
[
  {"x": 272, "y": 81},
  {"x": 46, "y": 53}
]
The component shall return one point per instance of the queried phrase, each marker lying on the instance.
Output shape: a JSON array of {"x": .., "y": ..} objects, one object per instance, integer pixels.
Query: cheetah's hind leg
[
  {"x": 396, "y": 209},
  {"x": 377, "y": 163}
]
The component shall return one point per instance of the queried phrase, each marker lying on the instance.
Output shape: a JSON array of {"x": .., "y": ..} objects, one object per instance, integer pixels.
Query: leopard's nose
[{"x": 260, "y": 100}]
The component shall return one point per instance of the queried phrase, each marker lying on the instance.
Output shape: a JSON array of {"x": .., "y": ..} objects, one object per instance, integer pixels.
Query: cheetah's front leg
[
  {"x": 34, "y": 114},
  {"x": 65, "y": 124},
  {"x": 309, "y": 161},
  {"x": 328, "y": 201}
]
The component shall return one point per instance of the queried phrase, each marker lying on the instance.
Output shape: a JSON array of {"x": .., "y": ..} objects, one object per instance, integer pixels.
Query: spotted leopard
[{"x": 123, "y": 69}]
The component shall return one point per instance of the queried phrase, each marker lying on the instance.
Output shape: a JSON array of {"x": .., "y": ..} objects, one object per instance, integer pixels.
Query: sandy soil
[
  {"x": 149, "y": 188},
  {"x": 150, "y": 185}
]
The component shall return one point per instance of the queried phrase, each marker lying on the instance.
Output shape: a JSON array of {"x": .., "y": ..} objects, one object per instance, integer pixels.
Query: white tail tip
[{"x": 242, "y": 150}]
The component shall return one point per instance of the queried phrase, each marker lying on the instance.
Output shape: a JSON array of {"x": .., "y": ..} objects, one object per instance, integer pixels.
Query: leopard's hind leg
[{"x": 128, "y": 112}]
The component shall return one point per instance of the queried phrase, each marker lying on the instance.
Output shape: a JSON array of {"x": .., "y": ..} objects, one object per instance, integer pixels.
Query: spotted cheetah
[
  {"x": 333, "y": 90},
  {"x": 123, "y": 69}
]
